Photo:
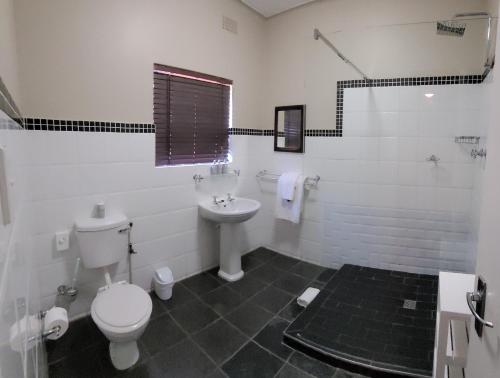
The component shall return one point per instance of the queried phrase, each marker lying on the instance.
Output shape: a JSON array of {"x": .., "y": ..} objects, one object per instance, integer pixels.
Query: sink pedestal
[{"x": 230, "y": 262}]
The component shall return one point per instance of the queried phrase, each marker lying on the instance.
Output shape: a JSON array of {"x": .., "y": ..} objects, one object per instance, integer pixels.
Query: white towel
[
  {"x": 290, "y": 210},
  {"x": 307, "y": 296},
  {"x": 286, "y": 185}
]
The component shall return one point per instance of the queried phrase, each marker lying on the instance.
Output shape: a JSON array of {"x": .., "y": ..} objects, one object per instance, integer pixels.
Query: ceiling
[{"x": 269, "y": 8}]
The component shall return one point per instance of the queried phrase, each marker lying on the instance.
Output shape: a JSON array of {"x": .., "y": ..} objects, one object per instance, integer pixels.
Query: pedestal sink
[{"x": 229, "y": 213}]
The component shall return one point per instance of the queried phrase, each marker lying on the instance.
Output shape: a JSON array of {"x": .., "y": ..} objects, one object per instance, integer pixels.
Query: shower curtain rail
[{"x": 318, "y": 35}]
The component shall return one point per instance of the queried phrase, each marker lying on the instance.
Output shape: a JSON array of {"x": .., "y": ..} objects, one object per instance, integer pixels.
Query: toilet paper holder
[{"x": 45, "y": 334}]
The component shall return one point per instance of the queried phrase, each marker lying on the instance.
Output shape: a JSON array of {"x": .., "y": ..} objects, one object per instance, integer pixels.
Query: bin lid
[{"x": 164, "y": 275}]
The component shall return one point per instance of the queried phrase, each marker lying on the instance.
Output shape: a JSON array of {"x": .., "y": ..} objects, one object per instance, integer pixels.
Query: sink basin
[{"x": 237, "y": 211}]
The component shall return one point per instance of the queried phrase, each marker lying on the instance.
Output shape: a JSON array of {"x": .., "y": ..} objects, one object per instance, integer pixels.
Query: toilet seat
[{"x": 121, "y": 308}]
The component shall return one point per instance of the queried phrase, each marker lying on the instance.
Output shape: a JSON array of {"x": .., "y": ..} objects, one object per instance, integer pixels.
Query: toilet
[{"x": 120, "y": 310}]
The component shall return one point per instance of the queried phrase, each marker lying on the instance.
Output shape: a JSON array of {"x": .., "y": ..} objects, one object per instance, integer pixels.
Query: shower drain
[{"x": 409, "y": 304}]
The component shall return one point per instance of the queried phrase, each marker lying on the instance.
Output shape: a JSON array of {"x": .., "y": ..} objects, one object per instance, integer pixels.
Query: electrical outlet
[{"x": 62, "y": 241}]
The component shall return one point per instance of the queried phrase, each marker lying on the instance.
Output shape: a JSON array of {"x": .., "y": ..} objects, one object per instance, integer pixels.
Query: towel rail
[{"x": 309, "y": 182}]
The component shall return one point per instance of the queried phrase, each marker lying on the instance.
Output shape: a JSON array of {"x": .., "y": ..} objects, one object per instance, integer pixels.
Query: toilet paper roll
[{"x": 56, "y": 316}]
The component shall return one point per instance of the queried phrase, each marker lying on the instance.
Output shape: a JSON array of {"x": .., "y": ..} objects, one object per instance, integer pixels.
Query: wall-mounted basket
[{"x": 464, "y": 139}]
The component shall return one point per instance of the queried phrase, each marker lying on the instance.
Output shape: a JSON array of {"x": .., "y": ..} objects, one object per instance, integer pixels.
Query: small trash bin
[{"x": 163, "y": 283}]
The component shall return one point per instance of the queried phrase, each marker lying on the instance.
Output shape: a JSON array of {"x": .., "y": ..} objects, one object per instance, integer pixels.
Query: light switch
[{"x": 62, "y": 241}]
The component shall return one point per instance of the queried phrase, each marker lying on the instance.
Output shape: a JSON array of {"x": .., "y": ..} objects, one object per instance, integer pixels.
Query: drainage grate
[{"x": 409, "y": 304}]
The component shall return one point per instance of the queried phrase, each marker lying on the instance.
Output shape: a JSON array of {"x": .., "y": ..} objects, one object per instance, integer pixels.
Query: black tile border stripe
[
  {"x": 120, "y": 127},
  {"x": 87, "y": 126},
  {"x": 396, "y": 82}
]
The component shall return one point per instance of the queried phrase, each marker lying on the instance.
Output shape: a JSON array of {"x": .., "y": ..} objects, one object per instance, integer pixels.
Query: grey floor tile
[
  {"x": 201, "y": 283},
  {"x": 158, "y": 307},
  {"x": 346, "y": 374},
  {"x": 247, "y": 286},
  {"x": 249, "y": 262},
  {"x": 81, "y": 334},
  {"x": 217, "y": 374},
  {"x": 272, "y": 299},
  {"x": 289, "y": 371},
  {"x": 283, "y": 262},
  {"x": 147, "y": 369},
  {"x": 75, "y": 366},
  {"x": 326, "y": 275},
  {"x": 292, "y": 283},
  {"x": 180, "y": 295},
  {"x": 220, "y": 340},
  {"x": 194, "y": 315},
  {"x": 263, "y": 254},
  {"x": 312, "y": 366},
  {"x": 252, "y": 361},
  {"x": 266, "y": 273},
  {"x": 161, "y": 333},
  {"x": 271, "y": 338},
  {"x": 249, "y": 318},
  {"x": 292, "y": 311},
  {"x": 222, "y": 300},
  {"x": 307, "y": 270},
  {"x": 185, "y": 360}
]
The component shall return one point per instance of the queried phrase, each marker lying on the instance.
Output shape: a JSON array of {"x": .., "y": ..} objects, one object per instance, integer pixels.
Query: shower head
[{"x": 451, "y": 28}]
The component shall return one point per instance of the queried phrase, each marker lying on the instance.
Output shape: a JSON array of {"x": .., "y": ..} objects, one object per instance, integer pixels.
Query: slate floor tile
[
  {"x": 272, "y": 299},
  {"x": 158, "y": 307},
  {"x": 220, "y": 340},
  {"x": 201, "y": 283},
  {"x": 292, "y": 283},
  {"x": 291, "y": 312},
  {"x": 75, "y": 366},
  {"x": 252, "y": 361},
  {"x": 249, "y": 318},
  {"x": 283, "y": 262},
  {"x": 249, "y": 262},
  {"x": 307, "y": 270},
  {"x": 180, "y": 295},
  {"x": 271, "y": 338},
  {"x": 263, "y": 254},
  {"x": 326, "y": 275},
  {"x": 82, "y": 334},
  {"x": 311, "y": 365},
  {"x": 247, "y": 286},
  {"x": 289, "y": 371},
  {"x": 194, "y": 315},
  {"x": 266, "y": 273},
  {"x": 222, "y": 300},
  {"x": 185, "y": 360},
  {"x": 161, "y": 333}
]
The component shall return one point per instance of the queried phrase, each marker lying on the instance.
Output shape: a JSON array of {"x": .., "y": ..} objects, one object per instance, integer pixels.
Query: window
[{"x": 191, "y": 116}]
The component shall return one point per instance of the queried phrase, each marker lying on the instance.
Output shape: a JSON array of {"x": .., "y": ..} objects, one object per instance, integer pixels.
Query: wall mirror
[{"x": 289, "y": 125}]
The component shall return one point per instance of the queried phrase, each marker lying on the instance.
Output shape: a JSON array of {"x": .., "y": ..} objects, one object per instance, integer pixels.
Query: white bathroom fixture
[
  {"x": 229, "y": 212},
  {"x": 120, "y": 310}
]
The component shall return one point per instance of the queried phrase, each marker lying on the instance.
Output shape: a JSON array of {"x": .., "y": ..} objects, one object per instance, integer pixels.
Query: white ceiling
[{"x": 269, "y": 8}]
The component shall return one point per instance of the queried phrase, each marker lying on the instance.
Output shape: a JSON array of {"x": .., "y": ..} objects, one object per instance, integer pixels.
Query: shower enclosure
[{"x": 401, "y": 183}]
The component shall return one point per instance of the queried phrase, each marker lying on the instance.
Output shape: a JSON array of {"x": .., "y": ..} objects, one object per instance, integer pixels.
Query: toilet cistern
[{"x": 229, "y": 213}]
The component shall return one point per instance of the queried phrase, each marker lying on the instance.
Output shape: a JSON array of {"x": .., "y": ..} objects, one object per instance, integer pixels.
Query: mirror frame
[{"x": 277, "y": 109}]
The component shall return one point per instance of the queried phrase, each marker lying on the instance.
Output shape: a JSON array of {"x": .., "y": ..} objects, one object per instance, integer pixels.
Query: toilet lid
[{"x": 122, "y": 305}]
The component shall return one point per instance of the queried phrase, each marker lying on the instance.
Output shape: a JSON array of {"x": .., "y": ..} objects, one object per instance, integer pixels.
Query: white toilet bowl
[{"x": 122, "y": 311}]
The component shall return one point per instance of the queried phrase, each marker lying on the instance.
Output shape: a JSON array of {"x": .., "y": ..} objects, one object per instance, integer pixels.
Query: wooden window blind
[{"x": 191, "y": 116}]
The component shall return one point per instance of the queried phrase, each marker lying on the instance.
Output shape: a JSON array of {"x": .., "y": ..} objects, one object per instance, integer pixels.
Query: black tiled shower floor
[
  {"x": 360, "y": 317},
  {"x": 210, "y": 328}
]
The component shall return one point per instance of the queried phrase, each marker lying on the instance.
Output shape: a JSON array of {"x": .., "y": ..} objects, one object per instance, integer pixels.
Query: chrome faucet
[
  {"x": 216, "y": 201},
  {"x": 229, "y": 198}
]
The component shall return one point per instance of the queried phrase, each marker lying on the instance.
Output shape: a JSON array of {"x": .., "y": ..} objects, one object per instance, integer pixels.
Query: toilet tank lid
[{"x": 101, "y": 224}]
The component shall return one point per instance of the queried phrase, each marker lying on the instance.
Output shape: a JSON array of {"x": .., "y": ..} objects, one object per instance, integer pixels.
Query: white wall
[
  {"x": 93, "y": 60},
  {"x": 376, "y": 35},
  {"x": 379, "y": 202},
  {"x": 80, "y": 63},
  {"x": 118, "y": 169},
  {"x": 8, "y": 48}
]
